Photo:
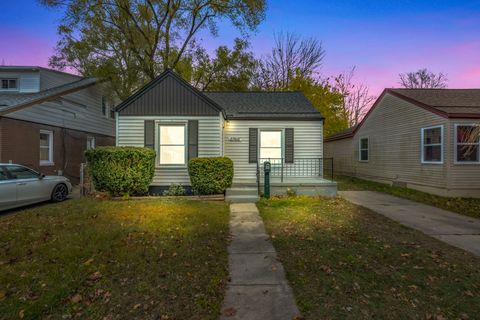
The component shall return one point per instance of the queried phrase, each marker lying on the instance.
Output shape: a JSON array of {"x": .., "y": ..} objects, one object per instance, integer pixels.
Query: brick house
[{"x": 49, "y": 118}]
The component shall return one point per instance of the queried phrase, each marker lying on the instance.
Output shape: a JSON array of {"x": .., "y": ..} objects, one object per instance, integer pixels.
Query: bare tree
[
  {"x": 291, "y": 56},
  {"x": 356, "y": 96},
  {"x": 423, "y": 79}
]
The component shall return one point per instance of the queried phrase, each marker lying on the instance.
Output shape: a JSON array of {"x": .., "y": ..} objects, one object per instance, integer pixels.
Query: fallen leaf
[
  {"x": 3, "y": 294},
  {"x": 94, "y": 276},
  {"x": 88, "y": 262},
  {"x": 76, "y": 298},
  {"x": 21, "y": 314},
  {"x": 229, "y": 312},
  {"x": 138, "y": 305}
]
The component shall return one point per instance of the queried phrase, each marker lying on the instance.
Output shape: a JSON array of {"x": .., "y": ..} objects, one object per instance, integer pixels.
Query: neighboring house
[
  {"x": 425, "y": 139},
  {"x": 180, "y": 123},
  {"x": 49, "y": 118}
]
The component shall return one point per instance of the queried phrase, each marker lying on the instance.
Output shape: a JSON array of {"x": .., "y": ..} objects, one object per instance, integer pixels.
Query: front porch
[{"x": 312, "y": 177}]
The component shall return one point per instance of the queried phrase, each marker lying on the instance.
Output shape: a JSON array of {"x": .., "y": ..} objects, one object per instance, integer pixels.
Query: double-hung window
[
  {"x": 172, "y": 148},
  {"x": 432, "y": 145},
  {"x": 467, "y": 143},
  {"x": 271, "y": 145},
  {"x": 364, "y": 150},
  {"x": 46, "y": 147}
]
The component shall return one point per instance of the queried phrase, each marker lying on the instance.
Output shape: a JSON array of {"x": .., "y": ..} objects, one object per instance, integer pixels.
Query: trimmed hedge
[
  {"x": 121, "y": 171},
  {"x": 210, "y": 175}
]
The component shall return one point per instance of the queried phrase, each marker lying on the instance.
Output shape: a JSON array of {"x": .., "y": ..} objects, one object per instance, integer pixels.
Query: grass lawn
[
  {"x": 465, "y": 206},
  {"x": 346, "y": 262},
  {"x": 87, "y": 259}
]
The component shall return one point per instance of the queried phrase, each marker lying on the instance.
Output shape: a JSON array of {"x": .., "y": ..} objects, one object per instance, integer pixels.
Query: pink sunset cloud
[{"x": 22, "y": 48}]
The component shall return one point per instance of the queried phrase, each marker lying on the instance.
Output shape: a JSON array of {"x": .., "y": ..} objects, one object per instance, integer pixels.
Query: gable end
[{"x": 168, "y": 95}]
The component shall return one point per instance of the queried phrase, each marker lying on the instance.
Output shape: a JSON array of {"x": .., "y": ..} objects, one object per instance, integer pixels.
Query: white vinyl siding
[
  {"x": 131, "y": 133},
  {"x": 26, "y": 82},
  {"x": 308, "y": 142},
  {"x": 79, "y": 111},
  {"x": 432, "y": 145}
]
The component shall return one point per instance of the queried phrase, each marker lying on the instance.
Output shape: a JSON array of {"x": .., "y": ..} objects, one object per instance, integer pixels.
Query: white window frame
[
  {"x": 455, "y": 144},
  {"x": 48, "y": 162},
  {"x": 423, "y": 145},
  {"x": 90, "y": 145},
  {"x": 282, "y": 145},
  {"x": 104, "y": 102},
  {"x": 360, "y": 149},
  {"x": 185, "y": 143},
  {"x": 9, "y": 89}
]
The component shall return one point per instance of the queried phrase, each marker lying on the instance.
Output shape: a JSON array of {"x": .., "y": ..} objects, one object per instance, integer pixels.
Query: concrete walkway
[
  {"x": 258, "y": 288},
  {"x": 457, "y": 230}
]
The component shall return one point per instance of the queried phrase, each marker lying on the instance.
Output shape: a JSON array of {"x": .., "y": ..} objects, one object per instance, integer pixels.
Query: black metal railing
[{"x": 303, "y": 167}]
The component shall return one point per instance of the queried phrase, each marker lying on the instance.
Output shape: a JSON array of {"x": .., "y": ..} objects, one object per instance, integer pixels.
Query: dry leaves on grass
[{"x": 229, "y": 312}]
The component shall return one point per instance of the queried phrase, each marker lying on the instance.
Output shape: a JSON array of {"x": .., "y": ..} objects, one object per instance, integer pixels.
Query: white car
[{"x": 20, "y": 186}]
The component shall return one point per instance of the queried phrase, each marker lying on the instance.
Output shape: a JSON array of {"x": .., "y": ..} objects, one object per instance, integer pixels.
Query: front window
[
  {"x": 270, "y": 144},
  {"x": 172, "y": 144},
  {"x": 8, "y": 84},
  {"x": 364, "y": 149},
  {"x": 432, "y": 144},
  {"x": 46, "y": 147},
  {"x": 90, "y": 142},
  {"x": 467, "y": 143}
]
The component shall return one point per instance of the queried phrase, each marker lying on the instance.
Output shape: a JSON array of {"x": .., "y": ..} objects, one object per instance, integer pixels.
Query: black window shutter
[
  {"x": 252, "y": 145},
  {"x": 289, "y": 145},
  {"x": 149, "y": 134},
  {"x": 192, "y": 139}
]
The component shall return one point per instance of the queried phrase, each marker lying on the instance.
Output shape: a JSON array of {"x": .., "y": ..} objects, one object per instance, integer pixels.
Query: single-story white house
[
  {"x": 424, "y": 139},
  {"x": 179, "y": 122}
]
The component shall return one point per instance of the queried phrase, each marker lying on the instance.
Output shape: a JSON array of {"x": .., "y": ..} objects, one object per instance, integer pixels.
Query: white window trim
[
  {"x": 185, "y": 142},
  {"x": 282, "y": 144},
  {"x": 92, "y": 138},
  {"x": 48, "y": 162},
  {"x": 441, "y": 144},
  {"x": 360, "y": 149},
  {"x": 455, "y": 144}
]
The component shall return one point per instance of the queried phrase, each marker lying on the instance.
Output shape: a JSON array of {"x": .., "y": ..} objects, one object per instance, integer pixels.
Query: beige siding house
[
  {"x": 424, "y": 139},
  {"x": 180, "y": 123}
]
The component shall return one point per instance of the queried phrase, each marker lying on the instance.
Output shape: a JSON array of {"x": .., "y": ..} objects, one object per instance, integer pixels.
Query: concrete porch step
[{"x": 241, "y": 191}]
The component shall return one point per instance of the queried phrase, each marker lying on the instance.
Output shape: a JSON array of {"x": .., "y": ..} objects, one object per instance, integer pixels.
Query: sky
[{"x": 381, "y": 38}]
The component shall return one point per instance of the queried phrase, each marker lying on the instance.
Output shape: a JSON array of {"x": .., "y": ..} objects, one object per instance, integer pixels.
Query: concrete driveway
[{"x": 457, "y": 230}]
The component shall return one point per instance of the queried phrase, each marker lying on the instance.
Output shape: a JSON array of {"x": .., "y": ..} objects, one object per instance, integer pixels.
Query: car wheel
[{"x": 60, "y": 193}]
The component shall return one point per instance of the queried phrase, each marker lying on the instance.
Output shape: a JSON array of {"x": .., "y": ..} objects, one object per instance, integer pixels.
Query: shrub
[
  {"x": 121, "y": 171},
  {"x": 174, "y": 190},
  {"x": 210, "y": 175}
]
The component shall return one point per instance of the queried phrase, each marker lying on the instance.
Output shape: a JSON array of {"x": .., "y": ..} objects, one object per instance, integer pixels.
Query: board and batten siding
[
  {"x": 131, "y": 133},
  {"x": 308, "y": 142},
  {"x": 81, "y": 110}
]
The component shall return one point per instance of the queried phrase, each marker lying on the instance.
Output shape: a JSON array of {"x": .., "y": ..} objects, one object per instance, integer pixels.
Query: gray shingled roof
[
  {"x": 265, "y": 105},
  {"x": 450, "y": 101},
  {"x": 11, "y": 101}
]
